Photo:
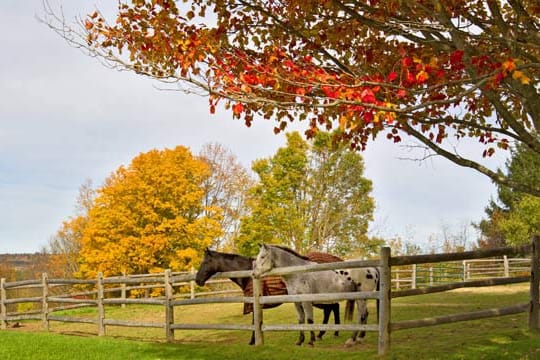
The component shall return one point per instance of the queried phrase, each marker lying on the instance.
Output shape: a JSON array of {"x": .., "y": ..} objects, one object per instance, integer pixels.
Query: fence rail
[
  {"x": 431, "y": 274},
  {"x": 443, "y": 271}
]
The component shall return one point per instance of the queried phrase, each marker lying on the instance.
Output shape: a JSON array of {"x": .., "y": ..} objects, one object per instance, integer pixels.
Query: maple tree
[
  {"x": 311, "y": 196},
  {"x": 150, "y": 216},
  {"x": 432, "y": 70}
]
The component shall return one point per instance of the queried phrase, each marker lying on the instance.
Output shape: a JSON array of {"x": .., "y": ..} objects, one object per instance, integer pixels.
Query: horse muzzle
[
  {"x": 199, "y": 280},
  {"x": 257, "y": 273}
]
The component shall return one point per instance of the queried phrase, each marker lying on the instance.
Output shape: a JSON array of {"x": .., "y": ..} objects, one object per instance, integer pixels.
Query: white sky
[{"x": 65, "y": 118}]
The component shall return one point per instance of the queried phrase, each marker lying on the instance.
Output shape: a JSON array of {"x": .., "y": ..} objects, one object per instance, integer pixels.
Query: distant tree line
[{"x": 14, "y": 267}]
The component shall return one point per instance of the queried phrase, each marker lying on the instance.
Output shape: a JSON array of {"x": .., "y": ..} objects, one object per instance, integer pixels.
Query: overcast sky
[{"x": 64, "y": 118}]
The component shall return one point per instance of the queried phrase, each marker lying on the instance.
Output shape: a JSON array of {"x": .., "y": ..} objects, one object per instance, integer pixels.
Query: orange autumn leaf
[
  {"x": 238, "y": 108},
  {"x": 524, "y": 79},
  {"x": 508, "y": 65},
  {"x": 422, "y": 77}
]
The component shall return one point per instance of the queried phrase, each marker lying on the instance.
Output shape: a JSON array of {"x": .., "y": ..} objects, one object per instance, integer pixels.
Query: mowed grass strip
[{"x": 497, "y": 338}]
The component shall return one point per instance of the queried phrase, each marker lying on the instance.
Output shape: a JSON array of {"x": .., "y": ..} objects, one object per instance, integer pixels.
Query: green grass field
[{"x": 497, "y": 338}]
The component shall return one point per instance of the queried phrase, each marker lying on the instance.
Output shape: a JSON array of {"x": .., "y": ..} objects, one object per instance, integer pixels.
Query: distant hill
[
  {"x": 22, "y": 266},
  {"x": 19, "y": 261}
]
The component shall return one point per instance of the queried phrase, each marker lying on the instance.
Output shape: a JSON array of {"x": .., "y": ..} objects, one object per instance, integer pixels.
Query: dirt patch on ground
[{"x": 25, "y": 326}]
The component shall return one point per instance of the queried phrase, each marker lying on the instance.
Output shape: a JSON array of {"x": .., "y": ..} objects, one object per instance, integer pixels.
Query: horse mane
[
  {"x": 231, "y": 256},
  {"x": 291, "y": 251}
]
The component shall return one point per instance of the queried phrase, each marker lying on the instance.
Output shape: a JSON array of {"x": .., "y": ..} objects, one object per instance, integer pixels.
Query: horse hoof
[
  {"x": 298, "y": 343},
  {"x": 310, "y": 344},
  {"x": 349, "y": 343}
]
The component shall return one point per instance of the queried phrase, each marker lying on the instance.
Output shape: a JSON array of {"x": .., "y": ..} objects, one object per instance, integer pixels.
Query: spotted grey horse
[{"x": 328, "y": 281}]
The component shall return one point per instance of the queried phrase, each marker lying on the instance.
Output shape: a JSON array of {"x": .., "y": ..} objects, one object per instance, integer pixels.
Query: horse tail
[{"x": 349, "y": 310}]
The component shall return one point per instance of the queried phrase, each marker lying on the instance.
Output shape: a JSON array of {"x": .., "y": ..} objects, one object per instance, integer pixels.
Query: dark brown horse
[{"x": 215, "y": 262}]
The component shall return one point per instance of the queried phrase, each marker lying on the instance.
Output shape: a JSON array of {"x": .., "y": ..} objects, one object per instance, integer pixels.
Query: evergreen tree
[{"x": 515, "y": 216}]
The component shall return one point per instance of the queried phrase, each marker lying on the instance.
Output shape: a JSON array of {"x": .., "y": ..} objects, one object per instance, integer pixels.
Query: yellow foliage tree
[{"x": 150, "y": 216}]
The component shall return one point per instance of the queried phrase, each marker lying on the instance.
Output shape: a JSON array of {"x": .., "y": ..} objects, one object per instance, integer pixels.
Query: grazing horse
[
  {"x": 215, "y": 262},
  {"x": 327, "y": 281}
]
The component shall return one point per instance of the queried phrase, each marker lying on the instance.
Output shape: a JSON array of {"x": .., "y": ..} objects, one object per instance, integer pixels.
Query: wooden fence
[
  {"x": 112, "y": 291},
  {"x": 425, "y": 275}
]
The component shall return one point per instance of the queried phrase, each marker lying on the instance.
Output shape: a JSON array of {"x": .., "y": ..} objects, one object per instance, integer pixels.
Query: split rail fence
[
  {"x": 424, "y": 275},
  {"x": 112, "y": 291}
]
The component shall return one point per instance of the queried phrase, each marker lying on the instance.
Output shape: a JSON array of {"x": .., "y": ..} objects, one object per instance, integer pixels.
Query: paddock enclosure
[{"x": 401, "y": 276}]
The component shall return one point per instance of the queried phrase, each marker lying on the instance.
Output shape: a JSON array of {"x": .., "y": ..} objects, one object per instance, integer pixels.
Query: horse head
[
  {"x": 206, "y": 270},
  {"x": 263, "y": 262}
]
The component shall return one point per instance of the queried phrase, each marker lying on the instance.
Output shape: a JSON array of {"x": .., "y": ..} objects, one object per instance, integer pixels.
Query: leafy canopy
[
  {"x": 149, "y": 216},
  {"x": 310, "y": 197},
  {"x": 430, "y": 69}
]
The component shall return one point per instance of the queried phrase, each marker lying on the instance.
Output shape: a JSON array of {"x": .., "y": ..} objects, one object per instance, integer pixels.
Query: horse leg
[
  {"x": 326, "y": 311},
  {"x": 362, "y": 319},
  {"x": 301, "y": 320},
  {"x": 308, "y": 309},
  {"x": 364, "y": 316},
  {"x": 337, "y": 321}
]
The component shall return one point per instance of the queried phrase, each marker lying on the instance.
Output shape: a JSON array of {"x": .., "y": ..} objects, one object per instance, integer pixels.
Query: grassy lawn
[{"x": 497, "y": 338}]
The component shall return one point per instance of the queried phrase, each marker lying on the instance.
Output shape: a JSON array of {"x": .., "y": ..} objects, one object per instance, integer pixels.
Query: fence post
[
  {"x": 45, "y": 301},
  {"x": 257, "y": 311},
  {"x": 101, "y": 307},
  {"x": 506, "y": 266},
  {"x": 192, "y": 284},
  {"x": 169, "y": 309},
  {"x": 385, "y": 296},
  {"x": 3, "y": 307},
  {"x": 123, "y": 290},
  {"x": 535, "y": 280},
  {"x": 413, "y": 283},
  {"x": 431, "y": 276}
]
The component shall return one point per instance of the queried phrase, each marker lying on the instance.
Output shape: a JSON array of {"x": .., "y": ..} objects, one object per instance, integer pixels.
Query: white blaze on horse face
[{"x": 262, "y": 263}]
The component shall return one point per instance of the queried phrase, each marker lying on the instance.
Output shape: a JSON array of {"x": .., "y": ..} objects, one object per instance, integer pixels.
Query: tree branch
[{"x": 496, "y": 177}]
